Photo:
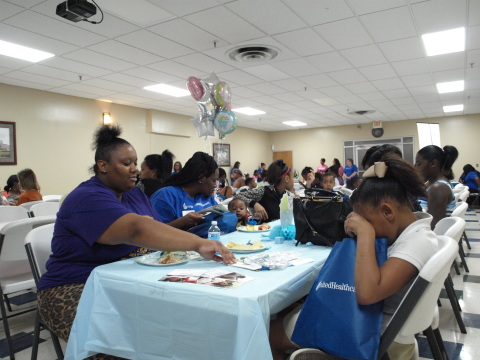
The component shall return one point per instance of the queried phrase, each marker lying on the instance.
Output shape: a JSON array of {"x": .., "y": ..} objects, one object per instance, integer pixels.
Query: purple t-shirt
[{"x": 86, "y": 213}]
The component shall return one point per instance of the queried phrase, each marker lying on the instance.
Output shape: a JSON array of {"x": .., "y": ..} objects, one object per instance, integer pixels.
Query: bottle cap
[{"x": 214, "y": 223}]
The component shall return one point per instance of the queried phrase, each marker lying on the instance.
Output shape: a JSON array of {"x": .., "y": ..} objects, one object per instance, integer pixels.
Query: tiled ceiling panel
[{"x": 332, "y": 55}]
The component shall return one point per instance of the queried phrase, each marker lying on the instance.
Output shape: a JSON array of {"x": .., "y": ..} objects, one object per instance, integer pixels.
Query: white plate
[
  {"x": 153, "y": 259},
  {"x": 244, "y": 229},
  {"x": 248, "y": 251}
]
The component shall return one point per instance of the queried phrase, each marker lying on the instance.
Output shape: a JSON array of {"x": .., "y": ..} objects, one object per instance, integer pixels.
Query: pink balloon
[{"x": 195, "y": 87}]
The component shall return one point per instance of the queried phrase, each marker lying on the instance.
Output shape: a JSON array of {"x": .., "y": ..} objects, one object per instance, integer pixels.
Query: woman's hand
[
  {"x": 209, "y": 248},
  {"x": 192, "y": 219},
  {"x": 260, "y": 212},
  {"x": 356, "y": 225}
]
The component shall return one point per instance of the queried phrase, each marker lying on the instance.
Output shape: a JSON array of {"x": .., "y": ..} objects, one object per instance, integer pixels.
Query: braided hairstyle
[
  {"x": 401, "y": 183},
  {"x": 445, "y": 157},
  {"x": 200, "y": 164},
  {"x": 162, "y": 164},
  {"x": 106, "y": 141}
]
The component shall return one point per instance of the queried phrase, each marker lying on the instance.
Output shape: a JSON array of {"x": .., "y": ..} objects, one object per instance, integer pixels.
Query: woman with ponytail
[
  {"x": 435, "y": 167},
  {"x": 105, "y": 219},
  {"x": 154, "y": 170}
]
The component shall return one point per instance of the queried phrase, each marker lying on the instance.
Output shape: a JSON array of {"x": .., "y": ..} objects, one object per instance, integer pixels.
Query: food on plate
[
  {"x": 256, "y": 245},
  {"x": 264, "y": 227},
  {"x": 172, "y": 257}
]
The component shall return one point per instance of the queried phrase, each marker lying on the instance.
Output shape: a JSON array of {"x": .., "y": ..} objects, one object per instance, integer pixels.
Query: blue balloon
[{"x": 225, "y": 122}]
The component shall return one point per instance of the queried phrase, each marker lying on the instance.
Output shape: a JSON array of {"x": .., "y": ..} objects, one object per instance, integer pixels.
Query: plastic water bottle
[{"x": 214, "y": 232}]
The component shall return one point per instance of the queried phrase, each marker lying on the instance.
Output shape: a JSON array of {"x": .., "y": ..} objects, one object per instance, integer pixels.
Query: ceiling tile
[
  {"x": 390, "y": 24},
  {"x": 154, "y": 43},
  {"x": 388, "y": 84},
  {"x": 291, "y": 85},
  {"x": 405, "y": 49},
  {"x": 296, "y": 67},
  {"x": 125, "y": 52},
  {"x": 315, "y": 12},
  {"x": 174, "y": 68},
  {"x": 363, "y": 7},
  {"x": 364, "y": 56},
  {"x": 75, "y": 67},
  {"x": 92, "y": 90},
  {"x": 361, "y": 88},
  {"x": 184, "y": 7},
  {"x": 152, "y": 75},
  {"x": 411, "y": 67},
  {"x": 377, "y": 72},
  {"x": 109, "y": 85},
  {"x": 128, "y": 80},
  {"x": 447, "y": 61},
  {"x": 474, "y": 13},
  {"x": 27, "y": 84},
  {"x": 473, "y": 38},
  {"x": 260, "y": 14},
  {"x": 203, "y": 63},
  {"x": 267, "y": 88},
  {"x": 39, "y": 79},
  {"x": 417, "y": 80},
  {"x": 239, "y": 77},
  {"x": 344, "y": 34},
  {"x": 347, "y": 76},
  {"x": 234, "y": 28},
  {"x": 451, "y": 75},
  {"x": 266, "y": 72},
  {"x": 329, "y": 62},
  {"x": 183, "y": 32},
  {"x": 53, "y": 28},
  {"x": 438, "y": 15},
  {"x": 396, "y": 93},
  {"x": 319, "y": 80},
  {"x": 304, "y": 42},
  {"x": 8, "y": 9},
  {"x": 100, "y": 60}
]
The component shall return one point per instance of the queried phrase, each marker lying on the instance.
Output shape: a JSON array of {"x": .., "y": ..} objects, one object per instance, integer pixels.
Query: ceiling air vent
[
  {"x": 253, "y": 53},
  {"x": 360, "y": 112}
]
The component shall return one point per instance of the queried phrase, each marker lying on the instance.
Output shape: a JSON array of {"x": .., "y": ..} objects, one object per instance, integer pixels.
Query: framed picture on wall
[
  {"x": 221, "y": 154},
  {"x": 8, "y": 145}
]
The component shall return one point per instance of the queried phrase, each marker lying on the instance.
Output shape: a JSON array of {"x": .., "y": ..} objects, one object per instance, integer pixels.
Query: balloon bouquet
[{"x": 213, "y": 98}]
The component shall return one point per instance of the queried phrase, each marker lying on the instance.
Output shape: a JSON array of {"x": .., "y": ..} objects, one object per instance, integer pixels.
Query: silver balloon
[{"x": 204, "y": 126}]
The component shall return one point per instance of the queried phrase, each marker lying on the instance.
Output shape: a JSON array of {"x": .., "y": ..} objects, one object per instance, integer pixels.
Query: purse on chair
[{"x": 320, "y": 216}]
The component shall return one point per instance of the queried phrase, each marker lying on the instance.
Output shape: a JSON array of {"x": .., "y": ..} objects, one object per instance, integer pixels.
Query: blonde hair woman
[{"x": 29, "y": 187}]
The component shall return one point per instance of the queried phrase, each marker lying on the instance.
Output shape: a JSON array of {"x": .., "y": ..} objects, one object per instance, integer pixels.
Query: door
[{"x": 286, "y": 156}]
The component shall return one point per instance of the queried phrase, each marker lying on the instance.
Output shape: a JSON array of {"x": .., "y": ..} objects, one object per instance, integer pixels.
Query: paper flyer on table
[{"x": 216, "y": 278}]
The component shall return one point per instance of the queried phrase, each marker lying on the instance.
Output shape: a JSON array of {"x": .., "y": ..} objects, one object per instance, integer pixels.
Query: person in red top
[{"x": 28, "y": 186}]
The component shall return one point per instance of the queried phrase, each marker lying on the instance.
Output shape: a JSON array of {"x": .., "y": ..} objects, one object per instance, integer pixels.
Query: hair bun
[{"x": 105, "y": 134}]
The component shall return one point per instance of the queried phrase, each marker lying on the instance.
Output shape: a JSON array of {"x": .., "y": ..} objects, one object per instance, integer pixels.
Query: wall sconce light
[{"x": 107, "y": 119}]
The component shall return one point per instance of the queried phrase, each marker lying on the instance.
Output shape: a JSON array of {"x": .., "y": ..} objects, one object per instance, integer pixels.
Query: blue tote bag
[{"x": 331, "y": 318}]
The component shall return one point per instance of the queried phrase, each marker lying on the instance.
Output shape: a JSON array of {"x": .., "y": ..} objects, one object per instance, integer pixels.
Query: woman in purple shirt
[{"x": 105, "y": 219}]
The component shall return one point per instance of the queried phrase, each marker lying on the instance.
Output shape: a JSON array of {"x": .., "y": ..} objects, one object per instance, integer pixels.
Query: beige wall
[
  {"x": 54, "y": 133},
  {"x": 310, "y": 145}
]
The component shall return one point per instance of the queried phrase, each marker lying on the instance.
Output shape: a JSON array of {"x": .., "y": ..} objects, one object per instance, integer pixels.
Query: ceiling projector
[{"x": 76, "y": 10}]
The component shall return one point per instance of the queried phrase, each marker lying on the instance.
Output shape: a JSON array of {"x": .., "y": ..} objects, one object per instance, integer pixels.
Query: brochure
[{"x": 217, "y": 278}]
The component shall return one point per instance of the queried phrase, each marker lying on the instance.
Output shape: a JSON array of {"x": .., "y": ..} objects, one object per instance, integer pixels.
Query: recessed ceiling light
[
  {"x": 294, "y": 123},
  {"x": 168, "y": 90},
  {"x": 444, "y": 42},
  {"x": 453, "y": 108},
  {"x": 23, "y": 52},
  {"x": 249, "y": 111},
  {"x": 451, "y": 86}
]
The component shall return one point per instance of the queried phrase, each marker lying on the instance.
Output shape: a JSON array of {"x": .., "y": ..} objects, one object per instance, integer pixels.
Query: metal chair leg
[
  {"x": 455, "y": 266},
  {"x": 432, "y": 342},
  {"x": 36, "y": 336},
  {"x": 466, "y": 240},
  {"x": 454, "y": 302},
  {"x": 440, "y": 343},
  {"x": 6, "y": 328},
  {"x": 461, "y": 252}
]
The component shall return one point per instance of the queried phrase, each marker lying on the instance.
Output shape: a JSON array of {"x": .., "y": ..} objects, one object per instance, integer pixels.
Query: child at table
[
  {"x": 328, "y": 181},
  {"x": 239, "y": 207},
  {"x": 382, "y": 208}
]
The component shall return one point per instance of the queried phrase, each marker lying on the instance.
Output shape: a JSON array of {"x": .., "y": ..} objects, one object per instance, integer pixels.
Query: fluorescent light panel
[
  {"x": 168, "y": 90},
  {"x": 23, "y": 52},
  {"x": 249, "y": 111},
  {"x": 294, "y": 123},
  {"x": 451, "y": 86},
  {"x": 444, "y": 42},
  {"x": 453, "y": 108}
]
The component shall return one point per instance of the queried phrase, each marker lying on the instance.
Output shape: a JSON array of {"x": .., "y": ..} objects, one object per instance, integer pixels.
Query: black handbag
[{"x": 320, "y": 217}]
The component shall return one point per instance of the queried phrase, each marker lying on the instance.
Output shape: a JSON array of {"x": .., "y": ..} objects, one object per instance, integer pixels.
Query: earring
[
  {"x": 199, "y": 181},
  {"x": 103, "y": 172}
]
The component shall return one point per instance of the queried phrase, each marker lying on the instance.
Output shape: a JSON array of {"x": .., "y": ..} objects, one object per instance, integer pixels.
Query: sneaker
[{"x": 312, "y": 354}]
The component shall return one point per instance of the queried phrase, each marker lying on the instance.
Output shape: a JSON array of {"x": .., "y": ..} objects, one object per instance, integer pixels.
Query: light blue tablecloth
[{"x": 125, "y": 311}]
